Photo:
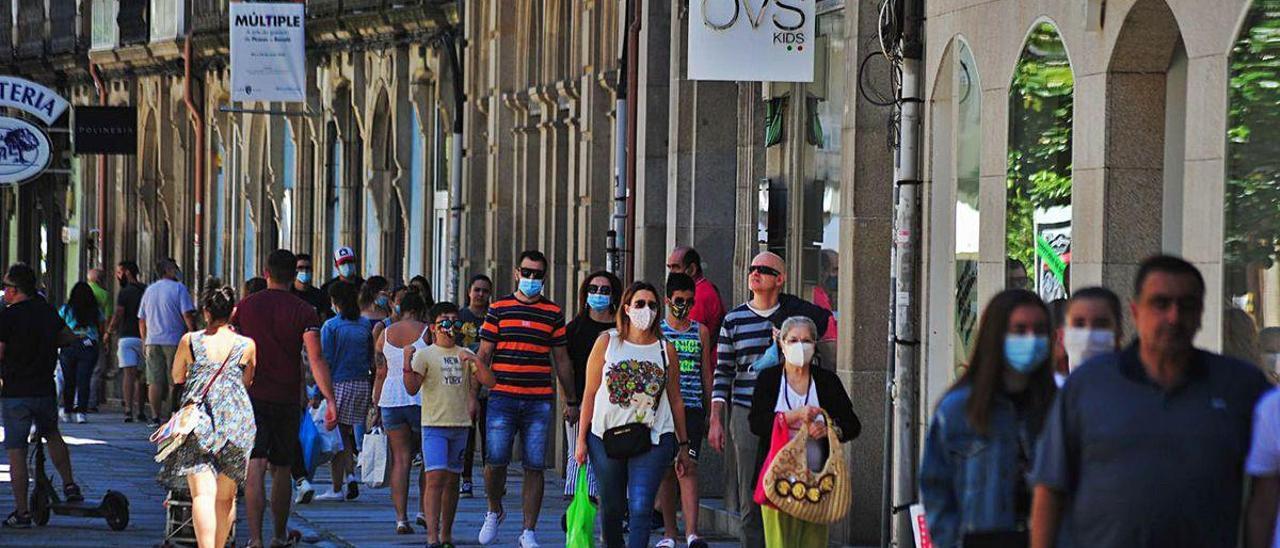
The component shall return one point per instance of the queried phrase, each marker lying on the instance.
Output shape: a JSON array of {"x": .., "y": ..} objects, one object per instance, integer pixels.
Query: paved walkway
[{"x": 109, "y": 454}]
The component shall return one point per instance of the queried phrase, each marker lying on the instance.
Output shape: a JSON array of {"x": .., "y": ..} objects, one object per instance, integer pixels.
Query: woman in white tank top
[
  {"x": 400, "y": 413},
  {"x": 633, "y": 376}
]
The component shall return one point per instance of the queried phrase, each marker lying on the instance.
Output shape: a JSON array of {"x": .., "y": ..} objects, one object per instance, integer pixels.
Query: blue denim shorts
[
  {"x": 404, "y": 415},
  {"x": 508, "y": 416},
  {"x": 20, "y": 413},
  {"x": 443, "y": 448}
]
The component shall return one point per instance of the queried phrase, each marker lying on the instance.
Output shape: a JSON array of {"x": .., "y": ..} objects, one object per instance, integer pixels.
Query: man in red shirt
[
  {"x": 281, "y": 325},
  {"x": 708, "y": 309}
]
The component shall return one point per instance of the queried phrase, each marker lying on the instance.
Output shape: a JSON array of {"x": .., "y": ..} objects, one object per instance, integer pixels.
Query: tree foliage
[
  {"x": 1252, "y": 203},
  {"x": 1040, "y": 114}
]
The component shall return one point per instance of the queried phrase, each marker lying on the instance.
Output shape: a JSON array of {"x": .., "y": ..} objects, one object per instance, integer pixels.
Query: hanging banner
[
  {"x": 105, "y": 130},
  {"x": 24, "y": 151},
  {"x": 31, "y": 98},
  {"x": 268, "y": 52},
  {"x": 751, "y": 40}
]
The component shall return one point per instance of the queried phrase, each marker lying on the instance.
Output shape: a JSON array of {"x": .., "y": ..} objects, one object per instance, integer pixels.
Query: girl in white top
[
  {"x": 401, "y": 413},
  {"x": 633, "y": 376}
]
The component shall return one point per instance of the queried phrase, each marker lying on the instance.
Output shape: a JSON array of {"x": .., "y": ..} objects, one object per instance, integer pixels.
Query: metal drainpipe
[
  {"x": 198, "y": 120},
  {"x": 455, "y": 166},
  {"x": 101, "y": 184},
  {"x": 632, "y": 139},
  {"x": 904, "y": 370}
]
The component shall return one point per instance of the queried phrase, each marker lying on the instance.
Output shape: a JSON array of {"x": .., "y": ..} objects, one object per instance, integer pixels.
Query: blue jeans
[
  {"x": 443, "y": 447},
  {"x": 78, "y": 361},
  {"x": 638, "y": 477},
  {"x": 506, "y": 417}
]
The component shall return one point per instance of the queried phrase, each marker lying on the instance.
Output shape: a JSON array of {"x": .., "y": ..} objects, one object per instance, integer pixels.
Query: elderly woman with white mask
[{"x": 799, "y": 392}]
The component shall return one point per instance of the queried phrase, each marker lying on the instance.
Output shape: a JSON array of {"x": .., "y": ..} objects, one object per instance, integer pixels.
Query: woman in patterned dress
[{"x": 214, "y": 458}]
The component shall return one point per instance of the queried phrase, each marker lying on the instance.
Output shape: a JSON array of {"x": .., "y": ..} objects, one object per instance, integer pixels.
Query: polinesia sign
[{"x": 751, "y": 40}]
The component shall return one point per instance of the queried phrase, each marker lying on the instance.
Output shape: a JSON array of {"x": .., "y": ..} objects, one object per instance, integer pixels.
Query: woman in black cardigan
[{"x": 807, "y": 389}]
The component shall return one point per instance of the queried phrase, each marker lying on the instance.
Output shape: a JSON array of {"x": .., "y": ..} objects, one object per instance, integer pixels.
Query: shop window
[
  {"x": 333, "y": 196},
  {"x": 1251, "y": 284},
  {"x": 1038, "y": 197},
  {"x": 822, "y": 122},
  {"x": 967, "y": 101},
  {"x": 289, "y": 180},
  {"x": 415, "y": 194}
]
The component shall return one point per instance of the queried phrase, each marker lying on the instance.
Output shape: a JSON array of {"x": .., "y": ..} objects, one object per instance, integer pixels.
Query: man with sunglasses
[
  {"x": 746, "y": 334},
  {"x": 523, "y": 337}
]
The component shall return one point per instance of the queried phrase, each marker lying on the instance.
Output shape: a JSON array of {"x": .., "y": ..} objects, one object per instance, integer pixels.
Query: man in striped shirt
[
  {"x": 522, "y": 338},
  {"x": 746, "y": 334}
]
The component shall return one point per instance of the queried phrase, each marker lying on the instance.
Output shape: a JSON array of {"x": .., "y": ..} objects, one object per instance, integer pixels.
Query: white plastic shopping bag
[{"x": 373, "y": 460}]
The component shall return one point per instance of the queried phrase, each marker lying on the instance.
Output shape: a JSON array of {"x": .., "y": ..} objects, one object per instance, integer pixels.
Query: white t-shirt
[
  {"x": 789, "y": 399},
  {"x": 1264, "y": 454}
]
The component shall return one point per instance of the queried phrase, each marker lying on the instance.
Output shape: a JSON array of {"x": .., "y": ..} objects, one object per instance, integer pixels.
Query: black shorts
[
  {"x": 695, "y": 426},
  {"x": 277, "y": 439}
]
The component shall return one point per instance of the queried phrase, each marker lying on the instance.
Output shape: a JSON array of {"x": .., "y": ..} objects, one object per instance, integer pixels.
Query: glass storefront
[
  {"x": 1251, "y": 275},
  {"x": 967, "y": 98},
  {"x": 1038, "y": 198}
]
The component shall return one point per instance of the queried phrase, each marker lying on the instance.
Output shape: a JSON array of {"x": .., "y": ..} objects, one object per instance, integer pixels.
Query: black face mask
[{"x": 121, "y": 281}]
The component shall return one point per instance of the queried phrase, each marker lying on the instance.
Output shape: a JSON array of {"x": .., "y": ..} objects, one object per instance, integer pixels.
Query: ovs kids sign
[
  {"x": 751, "y": 40},
  {"x": 24, "y": 148}
]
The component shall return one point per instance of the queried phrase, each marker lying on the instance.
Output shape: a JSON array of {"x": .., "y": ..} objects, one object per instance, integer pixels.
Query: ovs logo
[
  {"x": 786, "y": 19},
  {"x": 24, "y": 150}
]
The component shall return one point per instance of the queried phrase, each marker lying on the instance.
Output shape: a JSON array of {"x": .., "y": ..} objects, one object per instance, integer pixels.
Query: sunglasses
[
  {"x": 599, "y": 290},
  {"x": 681, "y": 302},
  {"x": 449, "y": 324},
  {"x": 532, "y": 273},
  {"x": 641, "y": 303},
  {"x": 763, "y": 270}
]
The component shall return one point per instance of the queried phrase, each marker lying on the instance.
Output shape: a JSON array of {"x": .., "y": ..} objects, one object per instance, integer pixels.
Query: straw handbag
[{"x": 818, "y": 497}]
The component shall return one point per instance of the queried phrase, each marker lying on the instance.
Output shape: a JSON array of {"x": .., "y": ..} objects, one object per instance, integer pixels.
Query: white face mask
[
  {"x": 798, "y": 353},
  {"x": 1083, "y": 344},
  {"x": 641, "y": 318}
]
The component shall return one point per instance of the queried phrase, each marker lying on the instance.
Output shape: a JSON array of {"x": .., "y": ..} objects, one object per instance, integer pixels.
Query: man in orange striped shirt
[{"x": 523, "y": 338}]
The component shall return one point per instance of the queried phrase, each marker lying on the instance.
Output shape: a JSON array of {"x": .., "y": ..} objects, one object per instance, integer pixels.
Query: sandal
[{"x": 403, "y": 528}]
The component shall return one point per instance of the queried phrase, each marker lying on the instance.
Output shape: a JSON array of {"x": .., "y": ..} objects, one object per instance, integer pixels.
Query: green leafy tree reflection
[
  {"x": 1039, "y": 168},
  {"x": 1252, "y": 221}
]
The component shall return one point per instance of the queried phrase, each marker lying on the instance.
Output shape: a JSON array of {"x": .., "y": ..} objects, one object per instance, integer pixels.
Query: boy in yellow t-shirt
[{"x": 443, "y": 373}]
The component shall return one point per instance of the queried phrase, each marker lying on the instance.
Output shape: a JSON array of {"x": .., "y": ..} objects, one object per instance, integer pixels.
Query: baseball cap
[{"x": 344, "y": 254}]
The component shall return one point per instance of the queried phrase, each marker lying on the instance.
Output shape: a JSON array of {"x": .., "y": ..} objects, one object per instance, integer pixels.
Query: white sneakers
[
  {"x": 80, "y": 419},
  {"x": 666, "y": 543},
  {"x": 305, "y": 492},
  {"x": 489, "y": 531},
  {"x": 527, "y": 540},
  {"x": 331, "y": 496}
]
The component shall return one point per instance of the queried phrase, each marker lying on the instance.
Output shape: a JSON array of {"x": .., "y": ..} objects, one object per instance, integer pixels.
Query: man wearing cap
[
  {"x": 345, "y": 261},
  {"x": 746, "y": 334}
]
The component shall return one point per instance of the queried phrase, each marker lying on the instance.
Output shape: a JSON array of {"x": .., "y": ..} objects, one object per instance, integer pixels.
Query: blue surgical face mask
[
  {"x": 599, "y": 303},
  {"x": 304, "y": 277},
  {"x": 530, "y": 288},
  {"x": 1025, "y": 353},
  {"x": 382, "y": 301},
  {"x": 397, "y": 309},
  {"x": 347, "y": 270}
]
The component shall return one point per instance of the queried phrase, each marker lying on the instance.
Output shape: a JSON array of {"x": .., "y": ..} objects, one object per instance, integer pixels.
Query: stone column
[{"x": 651, "y": 126}]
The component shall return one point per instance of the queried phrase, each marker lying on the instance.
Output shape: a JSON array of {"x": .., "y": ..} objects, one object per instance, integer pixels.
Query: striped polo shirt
[
  {"x": 523, "y": 335},
  {"x": 744, "y": 337}
]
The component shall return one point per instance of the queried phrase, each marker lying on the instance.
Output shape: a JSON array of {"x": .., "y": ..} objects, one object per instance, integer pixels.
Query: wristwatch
[{"x": 684, "y": 443}]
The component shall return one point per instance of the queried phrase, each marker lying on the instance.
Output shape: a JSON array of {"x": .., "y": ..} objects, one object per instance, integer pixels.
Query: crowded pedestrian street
[
  {"x": 125, "y": 464},
  {"x": 640, "y": 273}
]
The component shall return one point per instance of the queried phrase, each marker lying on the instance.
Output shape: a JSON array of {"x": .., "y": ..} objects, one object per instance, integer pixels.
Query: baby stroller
[{"x": 179, "y": 527}]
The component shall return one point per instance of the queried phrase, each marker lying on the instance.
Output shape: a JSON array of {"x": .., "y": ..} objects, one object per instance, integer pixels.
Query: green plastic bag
[{"x": 580, "y": 519}]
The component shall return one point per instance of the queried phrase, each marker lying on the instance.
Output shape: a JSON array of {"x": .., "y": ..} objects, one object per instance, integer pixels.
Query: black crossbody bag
[{"x": 632, "y": 439}]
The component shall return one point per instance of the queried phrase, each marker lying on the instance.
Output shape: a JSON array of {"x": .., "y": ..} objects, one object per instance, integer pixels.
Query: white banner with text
[
  {"x": 268, "y": 52},
  {"x": 751, "y": 40}
]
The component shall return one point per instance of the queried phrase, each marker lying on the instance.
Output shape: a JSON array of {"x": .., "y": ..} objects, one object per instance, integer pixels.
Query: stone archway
[{"x": 1145, "y": 137}]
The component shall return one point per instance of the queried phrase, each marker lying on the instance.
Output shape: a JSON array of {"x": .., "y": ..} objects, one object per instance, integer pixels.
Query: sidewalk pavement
[{"x": 107, "y": 454}]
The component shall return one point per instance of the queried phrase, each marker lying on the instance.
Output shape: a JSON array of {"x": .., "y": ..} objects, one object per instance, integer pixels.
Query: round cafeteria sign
[{"x": 24, "y": 150}]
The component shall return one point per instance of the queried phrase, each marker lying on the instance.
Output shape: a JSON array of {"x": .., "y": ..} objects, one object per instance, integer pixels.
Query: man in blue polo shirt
[{"x": 1146, "y": 447}]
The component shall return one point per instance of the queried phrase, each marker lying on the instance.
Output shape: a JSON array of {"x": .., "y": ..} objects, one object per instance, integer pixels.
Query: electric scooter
[{"x": 45, "y": 500}]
